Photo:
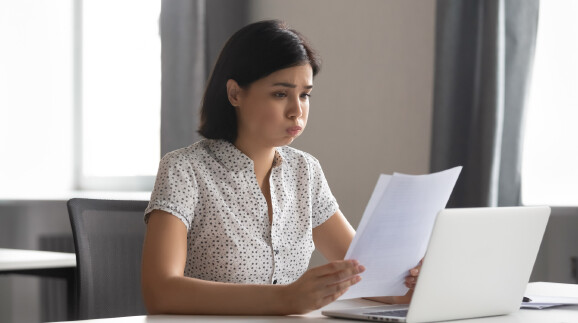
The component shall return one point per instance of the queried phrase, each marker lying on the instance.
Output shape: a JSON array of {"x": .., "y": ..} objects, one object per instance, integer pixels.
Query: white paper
[
  {"x": 541, "y": 302},
  {"x": 553, "y": 300},
  {"x": 394, "y": 231},
  {"x": 540, "y": 306}
]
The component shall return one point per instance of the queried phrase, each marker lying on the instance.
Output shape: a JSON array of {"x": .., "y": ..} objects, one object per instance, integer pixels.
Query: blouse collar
[{"x": 233, "y": 159}]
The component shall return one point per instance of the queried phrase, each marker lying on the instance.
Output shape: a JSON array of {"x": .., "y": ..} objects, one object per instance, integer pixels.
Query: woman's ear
[{"x": 234, "y": 92}]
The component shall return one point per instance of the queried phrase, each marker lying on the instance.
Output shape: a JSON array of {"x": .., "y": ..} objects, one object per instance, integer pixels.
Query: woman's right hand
[{"x": 321, "y": 285}]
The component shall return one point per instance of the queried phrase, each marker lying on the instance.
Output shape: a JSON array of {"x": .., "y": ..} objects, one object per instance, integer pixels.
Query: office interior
[{"x": 371, "y": 113}]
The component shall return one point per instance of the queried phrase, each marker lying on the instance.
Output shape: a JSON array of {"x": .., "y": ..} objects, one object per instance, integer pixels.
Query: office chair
[{"x": 108, "y": 238}]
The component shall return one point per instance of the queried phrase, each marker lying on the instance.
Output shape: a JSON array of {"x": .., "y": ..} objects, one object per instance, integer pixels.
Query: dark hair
[{"x": 253, "y": 52}]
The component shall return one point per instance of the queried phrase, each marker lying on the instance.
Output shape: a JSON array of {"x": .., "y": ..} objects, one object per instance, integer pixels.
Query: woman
[{"x": 233, "y": 219}]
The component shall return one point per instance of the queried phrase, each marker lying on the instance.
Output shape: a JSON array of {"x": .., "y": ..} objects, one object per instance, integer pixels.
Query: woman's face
[{"x": 273, "y": 111}]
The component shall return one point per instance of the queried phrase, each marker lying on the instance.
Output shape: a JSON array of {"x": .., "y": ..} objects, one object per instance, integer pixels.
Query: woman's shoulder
[{"x": 191, "y": 153}]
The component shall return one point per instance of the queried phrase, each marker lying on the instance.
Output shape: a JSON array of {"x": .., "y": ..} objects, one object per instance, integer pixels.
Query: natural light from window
[
  {"x": 120, "y": 88},
  {"x": 550, "y": 159},
  {"x": 35, "y": 97},
  {"x": 111, "y": 66}
]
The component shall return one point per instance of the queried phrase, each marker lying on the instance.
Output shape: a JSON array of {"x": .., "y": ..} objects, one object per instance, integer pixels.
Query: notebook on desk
[{"x": 478, "y": 263}]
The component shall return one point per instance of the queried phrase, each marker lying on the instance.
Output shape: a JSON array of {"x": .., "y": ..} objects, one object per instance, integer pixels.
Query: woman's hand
[
  {"x": 321, "y": 285},
  {"x": 410, "y": 282},
  {"x": 411, "y": 279}
]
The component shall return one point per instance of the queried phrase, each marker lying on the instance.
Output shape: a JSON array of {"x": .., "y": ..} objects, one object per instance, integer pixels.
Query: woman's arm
[
  {"x": 333, "y": 237},
  {"x": 166, "y": 289}
]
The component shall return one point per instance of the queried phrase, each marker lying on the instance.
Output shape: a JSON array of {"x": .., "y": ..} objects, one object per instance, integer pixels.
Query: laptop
[{"x": 478, "y": 263}]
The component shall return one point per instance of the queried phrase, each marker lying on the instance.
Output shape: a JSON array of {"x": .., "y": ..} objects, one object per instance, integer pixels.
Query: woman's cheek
[{"x": 273, "y": 114}]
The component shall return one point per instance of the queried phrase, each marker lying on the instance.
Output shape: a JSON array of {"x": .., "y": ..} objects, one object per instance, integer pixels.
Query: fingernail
[{"x": 360, "y": 268}]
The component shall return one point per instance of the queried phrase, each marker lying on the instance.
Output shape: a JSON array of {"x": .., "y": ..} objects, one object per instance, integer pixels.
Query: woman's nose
[{"x": 295, "y": 109}]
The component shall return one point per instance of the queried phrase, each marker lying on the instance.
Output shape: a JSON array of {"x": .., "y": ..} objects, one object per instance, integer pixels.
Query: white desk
[
  {"x": 43, "y": 264},
  {"x": 559, "y": 314},
  {"x": 20, "y": 260}
]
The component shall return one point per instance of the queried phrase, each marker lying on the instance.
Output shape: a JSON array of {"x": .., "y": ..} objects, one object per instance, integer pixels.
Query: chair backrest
[{"x": 108, "y": 237}]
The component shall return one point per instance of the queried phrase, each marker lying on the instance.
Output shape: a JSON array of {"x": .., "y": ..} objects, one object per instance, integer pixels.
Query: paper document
[
  {"x": 394, "y": 231},
  {"x": 541, "y": 302}
]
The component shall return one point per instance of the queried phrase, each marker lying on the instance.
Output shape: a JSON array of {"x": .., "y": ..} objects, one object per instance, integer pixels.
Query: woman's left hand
[
  {"x": 410, "y": 282},
  {"x": 411, "y": 279}
]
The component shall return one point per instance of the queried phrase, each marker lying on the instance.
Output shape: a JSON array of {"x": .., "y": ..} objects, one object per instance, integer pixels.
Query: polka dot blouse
[{"x": 212, "y": 188}]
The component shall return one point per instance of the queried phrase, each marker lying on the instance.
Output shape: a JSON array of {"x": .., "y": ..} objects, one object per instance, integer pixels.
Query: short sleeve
[
  {"x": 175, "y": 189},
  {"x": 324, "y": 204}
]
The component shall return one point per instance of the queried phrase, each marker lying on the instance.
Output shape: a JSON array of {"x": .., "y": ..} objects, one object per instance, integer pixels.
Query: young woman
[{"x": 233, "y": 219}]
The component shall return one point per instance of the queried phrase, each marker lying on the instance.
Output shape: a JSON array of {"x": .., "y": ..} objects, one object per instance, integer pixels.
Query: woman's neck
[{"x": 262, "y": 156}]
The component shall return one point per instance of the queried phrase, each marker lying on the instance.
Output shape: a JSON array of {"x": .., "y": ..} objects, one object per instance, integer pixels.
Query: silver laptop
[{"x": 478, "y": 263}]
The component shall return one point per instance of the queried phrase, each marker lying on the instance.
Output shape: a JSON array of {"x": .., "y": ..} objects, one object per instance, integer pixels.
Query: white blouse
[{"x": 212, "y": 188}]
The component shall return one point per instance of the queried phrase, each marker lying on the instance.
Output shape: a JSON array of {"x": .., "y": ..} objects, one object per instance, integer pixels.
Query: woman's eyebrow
[{"x": 291, "y": 85}]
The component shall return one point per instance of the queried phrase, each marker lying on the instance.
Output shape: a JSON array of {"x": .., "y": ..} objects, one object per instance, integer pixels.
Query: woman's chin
[{"x": 287, "y": 141}]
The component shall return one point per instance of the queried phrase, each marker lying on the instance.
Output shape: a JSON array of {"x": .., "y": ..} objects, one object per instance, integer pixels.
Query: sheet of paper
[
  {"x": 541, "y": 302},
  {"x": 539, "y": 306},
  {"x": 553, "y": 300},
  {"x": 394, "y": 231}
]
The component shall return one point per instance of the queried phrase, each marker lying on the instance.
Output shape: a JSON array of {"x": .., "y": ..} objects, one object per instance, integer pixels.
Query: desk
[
  {"x": 44, "y": 264},
  {"x": 559, "y": 314},
  {"x": 16, "y": 260}
]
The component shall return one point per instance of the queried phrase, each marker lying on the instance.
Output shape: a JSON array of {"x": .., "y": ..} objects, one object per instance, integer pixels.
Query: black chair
[{"x": 108, "y": 238}]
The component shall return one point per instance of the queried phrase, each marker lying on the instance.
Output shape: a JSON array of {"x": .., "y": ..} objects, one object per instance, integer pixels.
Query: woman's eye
[
  {"x": 305, "y": 95},
  {"x": 279, "y": 95}
]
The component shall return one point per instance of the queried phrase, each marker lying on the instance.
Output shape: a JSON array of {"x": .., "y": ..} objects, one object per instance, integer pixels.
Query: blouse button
[{"x": 275, "y": 281}]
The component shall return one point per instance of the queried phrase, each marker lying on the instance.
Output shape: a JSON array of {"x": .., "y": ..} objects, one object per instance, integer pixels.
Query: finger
[
  {"x": 331, "y": 267},
  {"x": 342, "y": 275},
  {"x": 410, "y": 281},
  {"x": 335, "y": 266},
  {"x": 340, "y": 287},
  {"x": 415, "y": 270}
]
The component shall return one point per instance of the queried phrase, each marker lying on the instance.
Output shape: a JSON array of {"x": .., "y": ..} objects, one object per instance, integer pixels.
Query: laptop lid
[{"x": 478, "y": 263}]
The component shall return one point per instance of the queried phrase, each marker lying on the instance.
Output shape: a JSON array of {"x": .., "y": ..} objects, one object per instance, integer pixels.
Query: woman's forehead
[{"x": 296, "y": 76}]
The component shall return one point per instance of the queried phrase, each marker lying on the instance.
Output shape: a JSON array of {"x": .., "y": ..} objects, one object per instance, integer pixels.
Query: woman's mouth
[{"x": 294, "y": 131}]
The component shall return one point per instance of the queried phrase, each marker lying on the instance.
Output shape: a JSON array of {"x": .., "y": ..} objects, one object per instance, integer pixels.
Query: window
[
  {"x": 79, "y": 95},
  {"x": 550, "y": 158},
  {"x": 120, "y": 77},
  {"x": 35, "y": 97}
]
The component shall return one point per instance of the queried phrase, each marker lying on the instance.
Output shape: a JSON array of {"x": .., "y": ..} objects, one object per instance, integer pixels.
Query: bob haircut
[{"x": 253, "y": 52}]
